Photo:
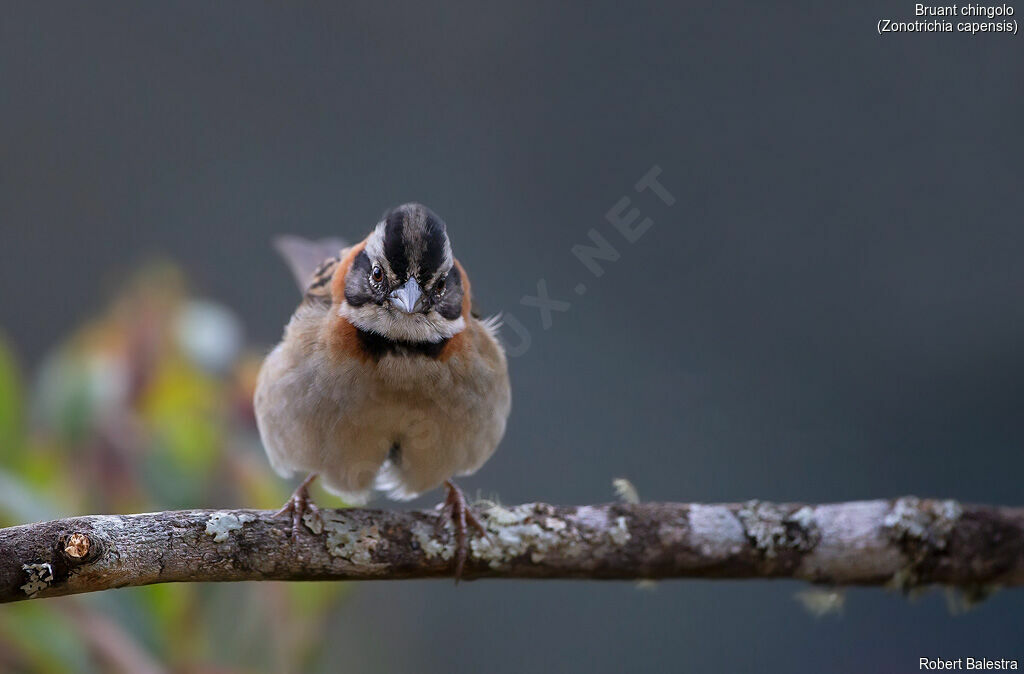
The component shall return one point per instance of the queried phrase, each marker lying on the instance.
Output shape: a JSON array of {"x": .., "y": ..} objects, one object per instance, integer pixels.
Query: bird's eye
[
  {"x": 377, "y": 274},
  {"x": 439, "y": 286}
]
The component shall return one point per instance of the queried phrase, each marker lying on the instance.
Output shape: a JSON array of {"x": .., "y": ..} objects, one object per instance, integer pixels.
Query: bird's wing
[{"x": 312, "y": 262}]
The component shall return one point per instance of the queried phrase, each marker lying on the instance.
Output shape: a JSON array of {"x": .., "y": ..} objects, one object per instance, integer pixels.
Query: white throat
[{"x": 396, "y": 324}]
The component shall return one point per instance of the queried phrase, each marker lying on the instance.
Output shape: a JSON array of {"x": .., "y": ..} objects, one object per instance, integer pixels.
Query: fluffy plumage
[{"x": 384, "y": 379}]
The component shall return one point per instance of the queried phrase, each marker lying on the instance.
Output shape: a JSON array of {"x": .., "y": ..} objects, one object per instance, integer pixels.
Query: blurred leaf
[
  {"x": 169, "y": 608},
  {"x": 183, "y": 410},
  {"x": 149, "y": 406},
  {"x": 11, "y": 405},
  {"x": 19, "y": 504},
  {"x": 43, "y": 469},
  {"x": 47, "y": 637},
  {"x": 316, "y": 598},
  {"x": 182, "y": 406},
  {"x": 210, "y": 334},
  {"x": 64, "y": 405}
]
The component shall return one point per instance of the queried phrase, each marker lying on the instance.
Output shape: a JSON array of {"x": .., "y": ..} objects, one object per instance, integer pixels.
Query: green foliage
[
  {"x": 46, "y": 640},
  {"x": 11, "y": 405},
  {"x": 148, "y": 407}
]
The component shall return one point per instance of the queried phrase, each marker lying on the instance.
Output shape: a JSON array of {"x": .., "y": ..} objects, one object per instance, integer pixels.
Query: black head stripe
[
  {"x": 357, "y": 285},
  {"x": 450, "y": 306},
  {"x": 394, "y": 243},
  {"x": 434, "y": 239}
]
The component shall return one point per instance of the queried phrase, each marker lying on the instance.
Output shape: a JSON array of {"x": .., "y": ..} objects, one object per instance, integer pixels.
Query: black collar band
[{"x": 379, "y": 346}]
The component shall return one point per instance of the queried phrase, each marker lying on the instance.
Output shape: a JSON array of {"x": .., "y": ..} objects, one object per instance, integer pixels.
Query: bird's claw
[
  {"x": 299, "y": 504},
  {"x": 456, "y": 510}
]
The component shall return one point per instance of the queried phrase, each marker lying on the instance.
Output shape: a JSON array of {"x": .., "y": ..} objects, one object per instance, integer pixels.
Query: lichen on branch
[{"x": 903, "y": 543}]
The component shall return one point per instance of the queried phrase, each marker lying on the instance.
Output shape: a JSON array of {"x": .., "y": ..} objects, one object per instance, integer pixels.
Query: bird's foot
[
  {"x": 299, "y": 504},
  {"x": 457, "y": 510}
]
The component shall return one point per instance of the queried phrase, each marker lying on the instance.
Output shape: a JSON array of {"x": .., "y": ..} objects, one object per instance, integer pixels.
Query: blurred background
[{"x": 830, "y": 309}]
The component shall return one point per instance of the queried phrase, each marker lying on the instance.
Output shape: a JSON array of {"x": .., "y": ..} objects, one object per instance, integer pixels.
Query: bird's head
[{"x": 405, "y": 284}]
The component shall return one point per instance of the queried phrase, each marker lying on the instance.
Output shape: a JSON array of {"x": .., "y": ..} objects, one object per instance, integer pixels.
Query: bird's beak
[{"x": 408, "y": 298}]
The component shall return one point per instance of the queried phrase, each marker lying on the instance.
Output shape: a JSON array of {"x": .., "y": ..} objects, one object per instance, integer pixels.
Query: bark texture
[{"x": 903, "y": 543}]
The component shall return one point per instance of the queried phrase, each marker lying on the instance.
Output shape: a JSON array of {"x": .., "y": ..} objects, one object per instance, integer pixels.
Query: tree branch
[{"x": 903, "y": 543}]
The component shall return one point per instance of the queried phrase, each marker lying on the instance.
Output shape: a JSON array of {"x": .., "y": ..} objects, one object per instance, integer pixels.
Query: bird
[{"x": 385, "y": 380}]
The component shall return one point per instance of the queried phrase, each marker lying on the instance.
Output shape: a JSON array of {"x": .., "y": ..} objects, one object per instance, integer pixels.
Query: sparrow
[{"x": 385, "y": 379}]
